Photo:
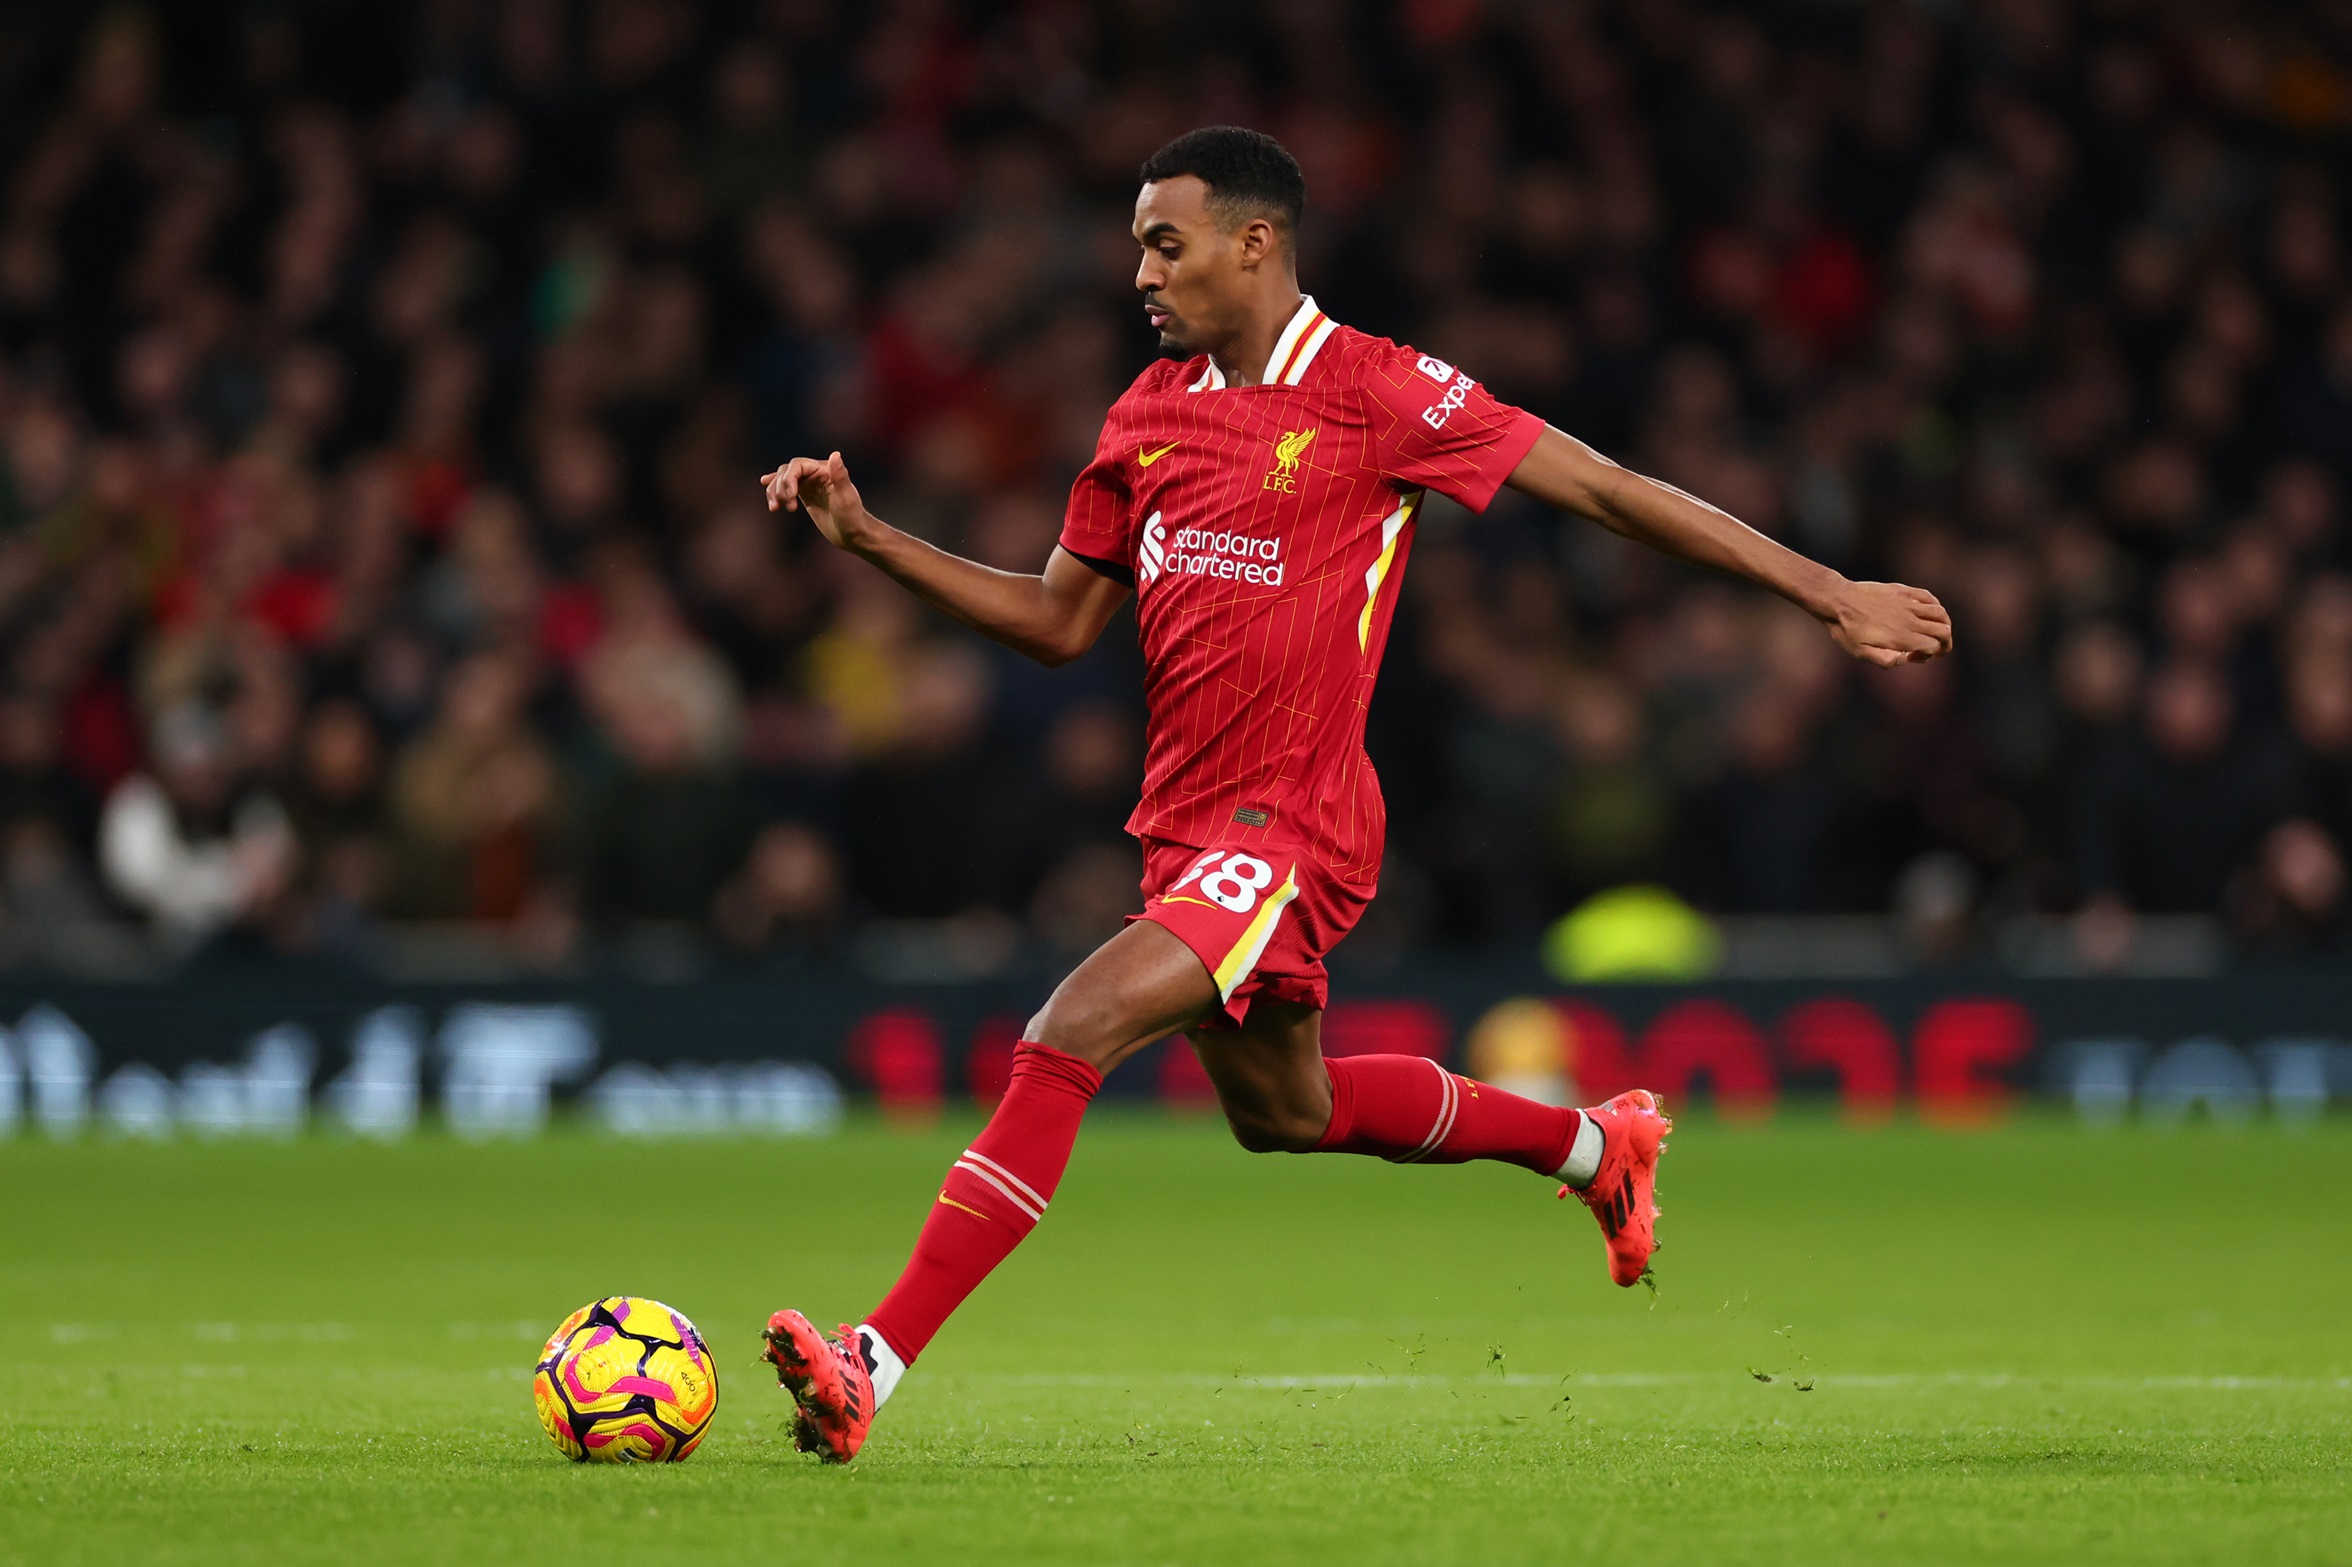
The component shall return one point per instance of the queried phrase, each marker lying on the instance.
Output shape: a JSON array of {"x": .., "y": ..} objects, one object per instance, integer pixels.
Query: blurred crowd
[{"x": 383, "y": 391}]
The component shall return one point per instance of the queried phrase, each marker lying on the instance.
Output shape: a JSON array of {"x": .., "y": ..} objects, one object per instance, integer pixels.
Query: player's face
[{"x": 1192, "y": 274}]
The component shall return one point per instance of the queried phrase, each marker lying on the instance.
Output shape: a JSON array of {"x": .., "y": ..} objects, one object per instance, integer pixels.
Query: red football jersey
[{"x": 1266, "y": 530}]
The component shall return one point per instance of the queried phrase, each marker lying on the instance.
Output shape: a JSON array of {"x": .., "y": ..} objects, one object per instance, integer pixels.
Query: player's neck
[{"x": 1242, "y": 359}]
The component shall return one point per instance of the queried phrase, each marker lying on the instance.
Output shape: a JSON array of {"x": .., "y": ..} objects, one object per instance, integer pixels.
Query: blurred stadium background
[{"x": 399, "y": 675}]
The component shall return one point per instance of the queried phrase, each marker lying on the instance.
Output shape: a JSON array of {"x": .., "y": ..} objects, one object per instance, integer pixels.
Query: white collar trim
[{"x": 1301, "y": 340}]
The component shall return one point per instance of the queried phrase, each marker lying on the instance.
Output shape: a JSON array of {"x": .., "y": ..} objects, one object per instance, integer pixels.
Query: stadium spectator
[
  {"x": 788, "y": 894},
  {"x": 342, "y": 823},
  {"x": 1029, "y": 835},
  {"x": 2290, "y": 903},
  {"x": 910, "y": 825},
  {"x": 188, "y": 845},
  {"x": 662, "y": 832},
  {"x": 2168, "y": 814},
  {"x": 35, "y": 785},
  {"x": 474, "y": 801},
  {"x": 2319, "y": 713},
  {"x": 1609, "y": 815}
]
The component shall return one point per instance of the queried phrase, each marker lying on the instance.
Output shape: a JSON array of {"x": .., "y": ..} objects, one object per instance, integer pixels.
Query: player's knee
[{"x": 1076, "y": 1026}]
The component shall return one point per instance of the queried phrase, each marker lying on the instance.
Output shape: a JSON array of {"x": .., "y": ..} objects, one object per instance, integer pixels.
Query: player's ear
[{"x": 1260, "y": 241}]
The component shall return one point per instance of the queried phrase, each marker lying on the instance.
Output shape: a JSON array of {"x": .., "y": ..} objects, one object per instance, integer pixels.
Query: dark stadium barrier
[{"x": 259, "y": 1049}]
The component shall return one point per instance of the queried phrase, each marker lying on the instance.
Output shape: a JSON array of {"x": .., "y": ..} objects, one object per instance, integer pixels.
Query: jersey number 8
[{"x": 1234, "y": 885}]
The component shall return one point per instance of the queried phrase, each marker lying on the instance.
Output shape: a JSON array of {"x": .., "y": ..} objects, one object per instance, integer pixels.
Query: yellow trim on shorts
[{"x": 1252, "y": 946}]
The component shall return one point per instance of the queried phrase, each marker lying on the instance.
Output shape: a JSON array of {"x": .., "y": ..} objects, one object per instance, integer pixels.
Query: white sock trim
[
  {"x": 1448, "y": 1104},
  {"x": 966, "y": 1165},
  {"x": 972, "y": 1156},
  {"x": 888, "y": 1368},
  {"x": 1584, "y": 1157}
]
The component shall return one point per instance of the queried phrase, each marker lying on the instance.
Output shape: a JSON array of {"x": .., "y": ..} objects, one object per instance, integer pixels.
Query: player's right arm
[
  {"x": 1052, "y": 616},
  {"x": 1882, "y": 623},
  {"x": 1433, "y": 427}
]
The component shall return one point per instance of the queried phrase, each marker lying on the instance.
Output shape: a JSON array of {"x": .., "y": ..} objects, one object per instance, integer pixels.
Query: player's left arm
[{"x": 1886, "y": 623}]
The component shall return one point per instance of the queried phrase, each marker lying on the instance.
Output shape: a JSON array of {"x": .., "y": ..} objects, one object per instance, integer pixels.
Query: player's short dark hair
[{"x": 1249, "y": 174}]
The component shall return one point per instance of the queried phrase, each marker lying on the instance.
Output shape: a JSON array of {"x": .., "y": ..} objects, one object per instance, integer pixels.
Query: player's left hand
[
  {"x": 821, "y": 486},
  {"x": 1890, "y": 623}
]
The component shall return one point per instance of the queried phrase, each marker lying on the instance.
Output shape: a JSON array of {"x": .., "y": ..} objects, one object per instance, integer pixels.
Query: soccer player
[{"x": 1256, "y": 490}]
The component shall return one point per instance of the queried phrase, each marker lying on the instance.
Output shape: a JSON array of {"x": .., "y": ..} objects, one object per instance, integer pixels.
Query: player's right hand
[
  {"x": 820, "y": 486},
  {"x": 1890, "y": 623}
]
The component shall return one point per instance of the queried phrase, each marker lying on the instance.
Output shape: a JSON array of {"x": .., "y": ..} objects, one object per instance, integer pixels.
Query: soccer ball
[{"x": 626, "y": 1380}]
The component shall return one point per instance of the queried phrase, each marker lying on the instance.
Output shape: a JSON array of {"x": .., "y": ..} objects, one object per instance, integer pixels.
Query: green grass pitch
[{"x": 2036, "y": 1344}]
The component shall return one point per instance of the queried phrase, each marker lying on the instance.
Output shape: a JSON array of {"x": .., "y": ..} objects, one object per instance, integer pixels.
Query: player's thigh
[
  {"x": 1269, "y": 1076},
  {"x": 1142, "y": 984}
]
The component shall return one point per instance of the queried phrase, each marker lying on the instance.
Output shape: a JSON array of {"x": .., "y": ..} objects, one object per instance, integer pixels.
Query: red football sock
[
  {"x": 1411, "y": 1110},
  {"x": 993, "y": 1197}
]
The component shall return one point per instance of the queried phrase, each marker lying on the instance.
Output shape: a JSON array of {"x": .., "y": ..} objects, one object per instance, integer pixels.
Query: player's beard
[{"x": 1172, "y": 342}]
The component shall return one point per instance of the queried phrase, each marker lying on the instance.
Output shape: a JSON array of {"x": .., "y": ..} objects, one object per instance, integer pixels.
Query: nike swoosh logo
[
  {"x": 1144, "y": 459},
  {"x": 967, "y": 1207}
]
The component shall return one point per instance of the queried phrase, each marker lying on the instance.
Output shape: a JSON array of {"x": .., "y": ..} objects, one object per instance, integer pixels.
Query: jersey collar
[{"x": 1294, "y": 350}]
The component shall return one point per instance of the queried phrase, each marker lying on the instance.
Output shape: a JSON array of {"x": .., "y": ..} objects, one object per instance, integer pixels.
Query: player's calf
[
  {"x": 1270, "y": 1077},
  {"x": 1413, "y": 1111},
  {"x": 1261, "y": 1130}
]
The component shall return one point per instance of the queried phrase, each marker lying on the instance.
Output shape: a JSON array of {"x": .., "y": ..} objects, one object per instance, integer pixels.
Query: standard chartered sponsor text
[{"x": 1234, "y": 557}]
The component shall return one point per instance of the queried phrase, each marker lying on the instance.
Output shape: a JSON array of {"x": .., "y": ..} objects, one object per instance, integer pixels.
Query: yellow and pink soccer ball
[{"x": 626, "y": 1380}]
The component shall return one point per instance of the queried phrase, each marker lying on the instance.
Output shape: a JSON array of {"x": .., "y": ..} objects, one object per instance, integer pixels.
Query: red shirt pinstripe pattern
[{"x": 1267, "y": 529}]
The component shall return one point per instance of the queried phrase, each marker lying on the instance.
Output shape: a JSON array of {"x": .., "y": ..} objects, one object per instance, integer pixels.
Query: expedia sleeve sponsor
[{"x": 1437, "y": 413}]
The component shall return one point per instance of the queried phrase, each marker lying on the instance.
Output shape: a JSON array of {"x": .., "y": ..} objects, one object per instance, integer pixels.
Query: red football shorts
[{"x": 1259, "y": 918}]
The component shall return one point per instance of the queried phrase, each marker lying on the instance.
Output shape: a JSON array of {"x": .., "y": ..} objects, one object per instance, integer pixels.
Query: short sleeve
[
  {"x": 1434, "y": 428},
  {"x": 1095, "y": 525}
]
